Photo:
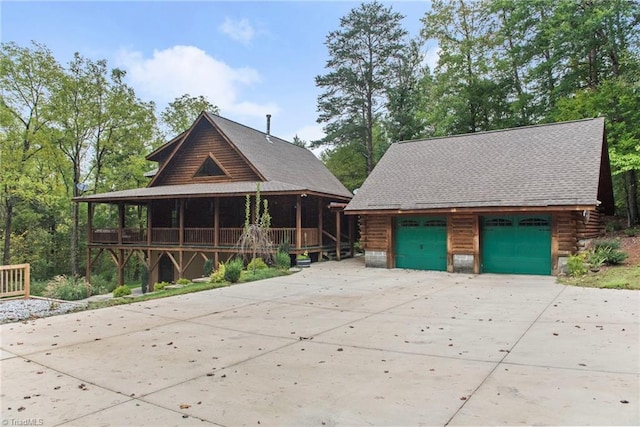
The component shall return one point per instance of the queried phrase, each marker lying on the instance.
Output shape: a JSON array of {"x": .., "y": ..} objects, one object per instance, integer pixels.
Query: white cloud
[
  {"x": 240, "y": 31},
  {"x": 172, "y": 72},
  {"x": 431, "y": 57},
  {"x": 309, "y": 133}
]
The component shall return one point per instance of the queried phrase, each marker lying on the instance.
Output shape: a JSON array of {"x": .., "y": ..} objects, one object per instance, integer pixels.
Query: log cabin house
[
  {"x": 510, "y": 201},
  {"x": 193, "y": 208}
]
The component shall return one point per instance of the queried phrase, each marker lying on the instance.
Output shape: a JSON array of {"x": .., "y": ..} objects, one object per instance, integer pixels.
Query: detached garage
[{"x": 514, "y": 201}]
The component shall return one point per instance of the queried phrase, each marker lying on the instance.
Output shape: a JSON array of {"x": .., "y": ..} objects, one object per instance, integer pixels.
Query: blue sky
[{"x": 249, "y": 58}]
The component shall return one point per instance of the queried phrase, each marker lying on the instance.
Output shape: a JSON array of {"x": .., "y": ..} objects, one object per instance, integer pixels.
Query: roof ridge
[
  {"x": 247, "y": 127},
  {"x": 537, "y": 125}
]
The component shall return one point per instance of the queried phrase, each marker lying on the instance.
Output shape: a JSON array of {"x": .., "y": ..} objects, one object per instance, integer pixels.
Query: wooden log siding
[
  {"x": 373, "y": 232},
  {"x": 592, "y": 229},
  {"x": 204, "y": 140},
  {"x": 462, "y": 234},
  {"x": 567, "y": 240}
]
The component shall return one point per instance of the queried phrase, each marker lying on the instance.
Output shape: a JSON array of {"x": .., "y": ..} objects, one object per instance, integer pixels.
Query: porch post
[
  {"x": 338, "y": 235},
  {"x": 120, "y": 222},
  {"x": 149, "y": 224},
  {"x": 351, "y": 236},
  {"x": 120, "y": 266},
  {"x": 299, "y": 222},
  {"x": 89, "y": 240},
  {"x": 216, "y": 230},
  {"x": 320, "y": 223},
  {"x": 181, "y": 219}
]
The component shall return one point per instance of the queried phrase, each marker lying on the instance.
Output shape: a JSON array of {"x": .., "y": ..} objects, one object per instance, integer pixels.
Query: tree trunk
[
  {"x": 631, "y": 184},
  {"x": 6, "y": 254}
]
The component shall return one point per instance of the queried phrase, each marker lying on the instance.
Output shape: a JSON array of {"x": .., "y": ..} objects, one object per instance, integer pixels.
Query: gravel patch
[{"x": 23, "y": 309}]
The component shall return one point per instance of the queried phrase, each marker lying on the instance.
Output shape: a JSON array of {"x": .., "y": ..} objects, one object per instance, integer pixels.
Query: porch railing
[
  {"x": 227, "y": 236},
  {"x": 15, "y": 280}
]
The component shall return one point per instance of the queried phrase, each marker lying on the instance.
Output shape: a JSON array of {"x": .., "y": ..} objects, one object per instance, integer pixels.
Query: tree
[
  {"x": 362, "y": 56},
  {"x": 408, "y": 98},
  {"x": 299, "y": 142},
  {"x": 99, "y": 123},
  {"x": 183, "y": 111},
  {"x": 27, "y": 75}
]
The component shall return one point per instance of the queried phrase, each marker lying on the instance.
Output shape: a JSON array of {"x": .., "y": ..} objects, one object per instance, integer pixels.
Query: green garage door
[
  {"x": 518, "y": 244},
  {"x": 421, "y": 243}
]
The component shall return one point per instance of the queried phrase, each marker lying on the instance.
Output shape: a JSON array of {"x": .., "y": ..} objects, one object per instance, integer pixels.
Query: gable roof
[
  {"x": 535, "y": 166},
  {"x": 284, "y": 167}
]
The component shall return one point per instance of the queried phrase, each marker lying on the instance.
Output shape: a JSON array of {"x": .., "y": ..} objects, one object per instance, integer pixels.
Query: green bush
[
  {"x": 575, "y": 265},
  {"x": 159, "y": 286},
  {"x": 183, "y": 281},
  {"x": 37, "y": 288},
  {"x": 121, "y": 291},
  {"x": 631, "y": 232},
  {"x": 68, "y": 288},
  {"x": 102, "y": 285},
  {"x": 257, "y": 264},
  {"x": 218, "y": 275},
  {"x": 207, "y": 268},
  {"x": 608, "y": 251},
  {"x": 265, "y": 273},
  {"x": 283, "y": 260},
  {"x": 232, "y": 270}
]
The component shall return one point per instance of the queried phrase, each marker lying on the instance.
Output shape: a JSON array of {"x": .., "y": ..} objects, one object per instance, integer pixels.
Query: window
[
  {"x": 435, "y": 223},
  {"x": 409, "y": 223},
  {"x": 210, "y": 168},
  {"x": 534, "y": 222},
  {"x": 499, "y": 222}
]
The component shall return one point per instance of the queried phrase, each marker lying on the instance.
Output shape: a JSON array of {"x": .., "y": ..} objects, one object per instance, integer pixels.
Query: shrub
[
  {"x": 102, "y": 285},
  {"x": 285, "y": 246},
  {"x": 233, "y": 269},
  {"x": 218, "y": 275},
  {"x": 283, "y": 260},
  {"x": 575, "y": 265},
  {"x": 183, "y": 281},
  {"x": 68, "y": 288},
  {"x": 257, "y": 264},
  {"x": 207, "y": 268},
  {"x": 144, "y": 280},
  {"x": 606, "y": 243},
  {"x": 265, "y": 273},
  {"x": 121, "y": 291},
  {"x": 631, "y": 232},
  {"x": 608, "y": 251},
  {"x": 159, "y": 286}
]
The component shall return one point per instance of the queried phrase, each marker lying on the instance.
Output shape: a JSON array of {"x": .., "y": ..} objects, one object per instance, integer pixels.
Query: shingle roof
[
  {"x": 279, "y": 160},
  {"x": 286, "y": 168},
  {"x": 545, "y": 165}
]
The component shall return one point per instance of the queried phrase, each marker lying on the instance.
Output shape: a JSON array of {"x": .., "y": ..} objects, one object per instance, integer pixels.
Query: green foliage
[
  {"x": 218, "y": 275},
  {"x": 576, "y": 265},
  {"x": 159, "y": 286},
  {"x": 606, "y": 251},
  {"x": 606, "y": 244},
  {"x": 121, "y": 291},
  {"x": 68, "y": 288},
  {"x": 102, "y": 285},
  {"x": 257, "y": 264},
  {"x": 362, "y": 56},
  {"x": 283, "y": 260},
  {"x": 38, "y": 288},
  {"x": 255, "y": 239},
  {"x": 233, "y": 269},
  {"x": 183, "y": 281},
  {"x": 631, "y": 232},
  {"x": 266, "y": 273},
  {"x": 183, "y": 111},
  {"x": 304, "y": 255},
  {"x": 285, "y": 246},
  {"x": 207, "y": 268}
]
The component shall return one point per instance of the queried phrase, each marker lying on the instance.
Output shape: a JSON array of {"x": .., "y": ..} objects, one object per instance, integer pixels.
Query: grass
[
  {"x": 618, "y": 277},
  {"x": 192, "y": 287}
]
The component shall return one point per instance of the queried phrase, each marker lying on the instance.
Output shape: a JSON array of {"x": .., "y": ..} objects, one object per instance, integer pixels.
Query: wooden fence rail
[{"x": 15, "y": 280}]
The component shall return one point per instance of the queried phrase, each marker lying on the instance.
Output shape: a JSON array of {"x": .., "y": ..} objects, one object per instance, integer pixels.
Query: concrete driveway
[{"x": 336, "y": 344}]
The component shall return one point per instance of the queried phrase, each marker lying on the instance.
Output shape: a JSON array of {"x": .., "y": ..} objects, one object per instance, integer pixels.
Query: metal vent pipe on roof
[{"x": 268, "y": 124}]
